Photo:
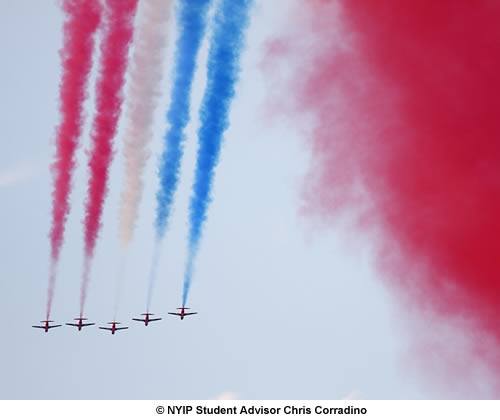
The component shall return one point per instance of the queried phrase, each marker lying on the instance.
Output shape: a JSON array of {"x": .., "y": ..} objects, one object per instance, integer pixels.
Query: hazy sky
[{"x": 288, "y": 309}]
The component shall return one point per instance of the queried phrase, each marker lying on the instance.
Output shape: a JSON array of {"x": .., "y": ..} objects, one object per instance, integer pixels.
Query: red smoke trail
[
  {"x": 407, "y": 104},
  {"x": 82, "y": 20},
  {"x": 117, "y": 37}
]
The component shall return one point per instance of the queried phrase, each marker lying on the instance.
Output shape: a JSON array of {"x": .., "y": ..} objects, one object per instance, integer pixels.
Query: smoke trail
[
  {"x": 119, "y": 283},
  {"x": 411, "y": 111},
  {"x": 145, "y": 77},
  {"x": 191, "y": 22},
  {"x": 82, "y": 21},
  {"x": 152, "y": 274},
  {"x": 118, "y": 32},
  {"x": 231, "y": 21}
]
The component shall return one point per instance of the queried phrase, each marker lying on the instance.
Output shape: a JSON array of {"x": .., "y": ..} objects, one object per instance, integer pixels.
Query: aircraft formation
[
  {"x": 132, "y": 38},
  {"x": 80, "y": 324}
]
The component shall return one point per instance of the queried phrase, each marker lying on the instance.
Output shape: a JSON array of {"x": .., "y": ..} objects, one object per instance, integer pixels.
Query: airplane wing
[
  {"x": 190, "y": 313},
  {"x": 138, "y": 319},
  {"x": 121, "y": 328},
  {"x": 53, "y": 326},
  {"x": 106, "y": 328},
  {"x": 88, "y": 325},
  {"x": 155, "y": 319},
  {"x": 38, "y": 326},
  {"x": 73, "y": 325},
  {"x": 174, "y": 313}
]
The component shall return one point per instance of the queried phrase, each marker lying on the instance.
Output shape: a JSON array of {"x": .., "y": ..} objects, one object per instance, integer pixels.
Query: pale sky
[{"x": 288, "y": 308}]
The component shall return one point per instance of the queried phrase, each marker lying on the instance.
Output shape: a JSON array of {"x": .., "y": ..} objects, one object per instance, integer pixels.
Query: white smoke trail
[
  {"x": 119, "y": 283},
  {"x": 143, "y": 93},
  {"x": 152, "y": 273}
]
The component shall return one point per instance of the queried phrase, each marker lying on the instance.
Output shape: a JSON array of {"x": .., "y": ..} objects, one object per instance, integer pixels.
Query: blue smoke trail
[
  {"x": 231, "y": 21},
  {"x": 191, "y": 21}
]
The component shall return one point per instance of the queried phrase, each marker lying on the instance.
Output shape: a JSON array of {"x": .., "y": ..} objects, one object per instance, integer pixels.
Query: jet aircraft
[
  {"x": 113, "y": 327},
  {"x": 147, "y": 318},
  {"x": 182, "y": 312},
  {"x": 46, "y": 327},
  {"x": 80, "y": 323}
]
